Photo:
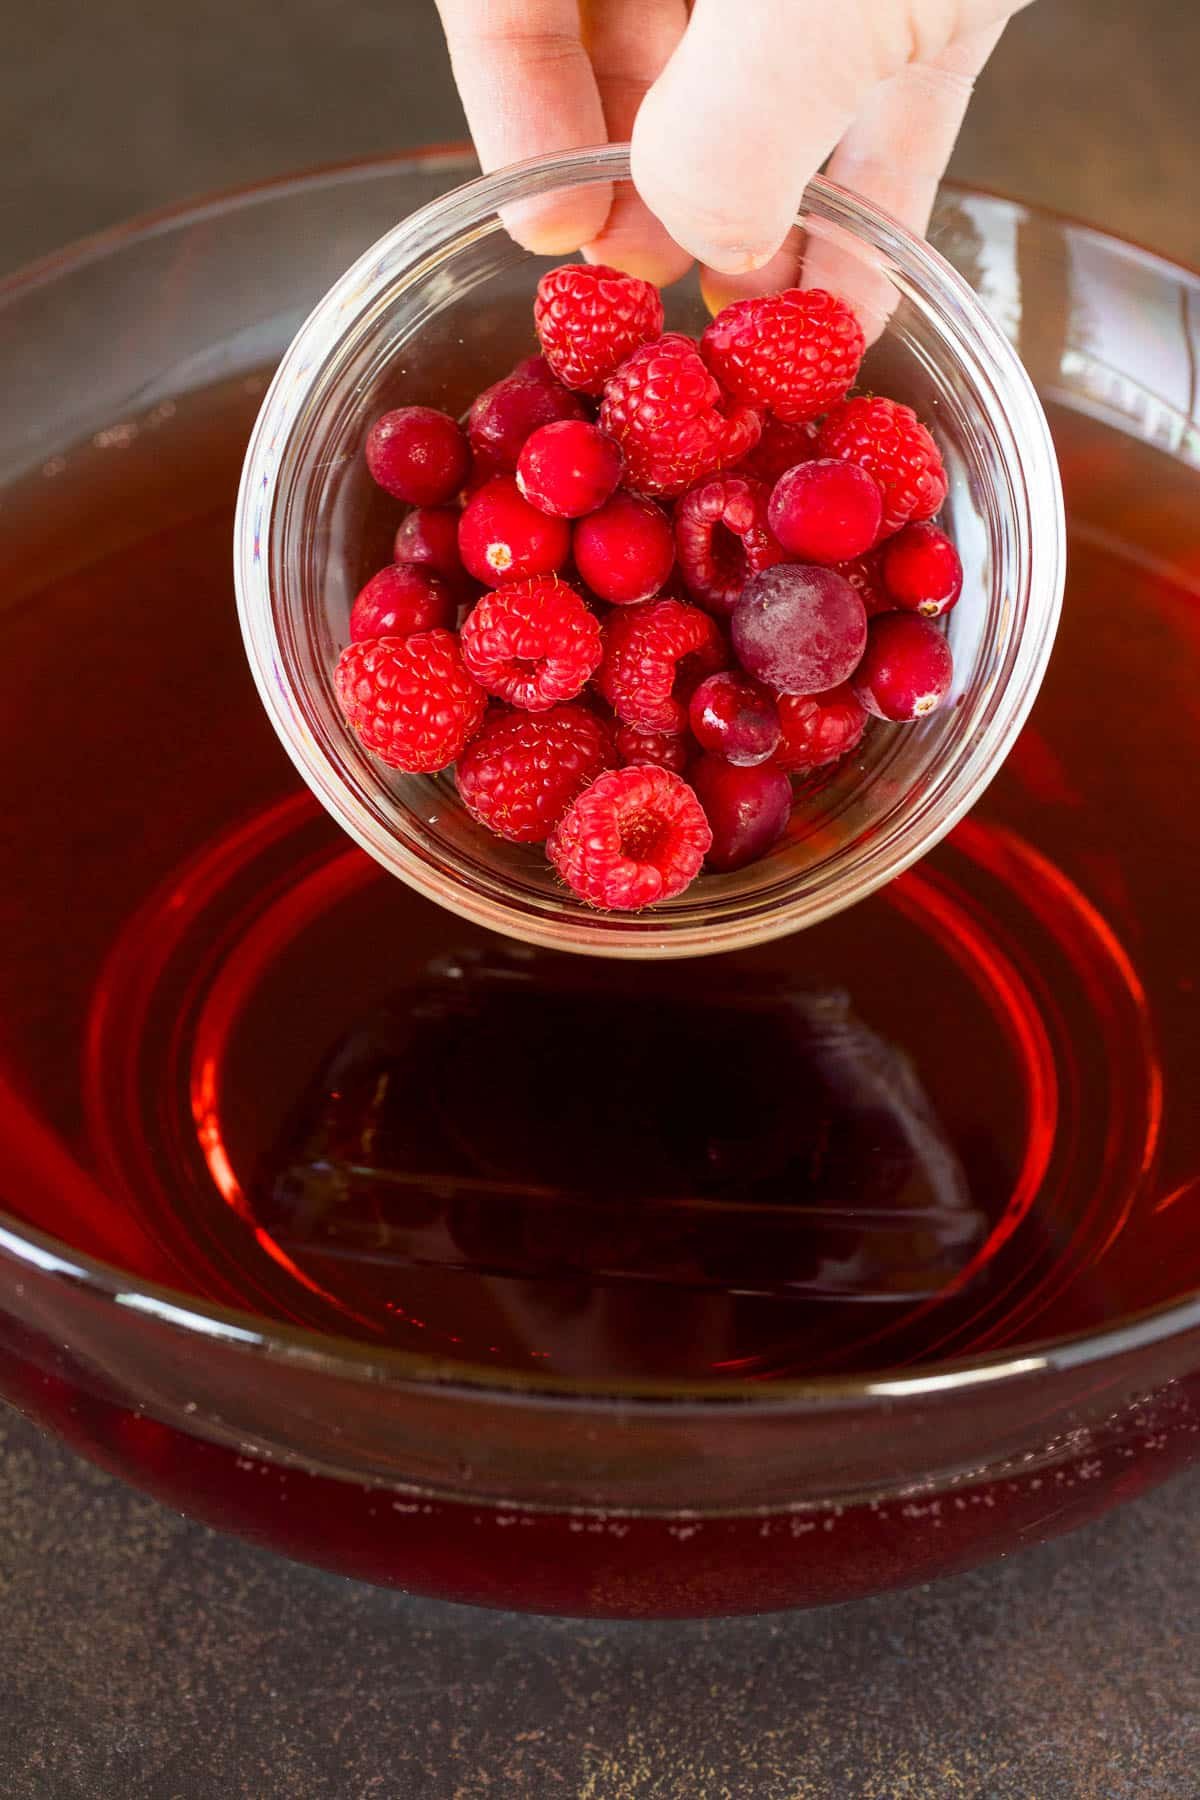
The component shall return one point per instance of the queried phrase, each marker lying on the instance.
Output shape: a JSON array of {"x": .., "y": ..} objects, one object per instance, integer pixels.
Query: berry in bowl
[{"x": 487, "y": 490}]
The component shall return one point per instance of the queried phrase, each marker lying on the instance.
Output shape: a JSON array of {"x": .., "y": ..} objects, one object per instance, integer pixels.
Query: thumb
[{"x": 754, "y": 98}]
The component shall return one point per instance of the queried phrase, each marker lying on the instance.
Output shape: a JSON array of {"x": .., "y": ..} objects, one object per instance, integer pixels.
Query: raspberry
[
  {"x": 780, "y": 448},
  {"x": 890, "y": 443},
  {"x": 826, "y": 511},
  {"x": 865, "y": 575},
  {"x": 568, "y": 468},
  {"x": 524, "y": 769},
  {"x": 589, "y": 318},
  {"x": 735, "y": 718},
  {"x": 922, "y": 571},
  {"x": 502, "y": 538},
  {"x": 800, "y": 630},
  {"x": 625, "y": 551},
  {"x": 635, "y": 744},
  {"x": 792, "y": 354},
  {"x": 513, "y": 408},
  {"x": 532, "y": 643},
  {"x": 907, "y": 668},
  {"x": 635, "y": 836},
  {"x": 818, "y": 729},
  {"x": 400, "y": 600},
  {"x": 671, "y": 419},
  {"x": 655, "y": 654},
  {"x": 722, "y": 537},
  {"x": 411, "y": 700},
  {"x": 747, "y": 810},
  {"x": 418, "y": 454},
  {"x": 429, "y": 535}
]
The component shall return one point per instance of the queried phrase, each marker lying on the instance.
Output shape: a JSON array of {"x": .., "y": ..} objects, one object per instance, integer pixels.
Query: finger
[
  {"x": 527, "y": 88},
  {"x": 629, "y": 45},
  {"x": 743, "y": 116}
]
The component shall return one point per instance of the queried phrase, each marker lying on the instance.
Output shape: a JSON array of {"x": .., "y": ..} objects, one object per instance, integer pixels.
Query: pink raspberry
[
  {"x": 399, "y": 601},
  {"x": 781, "y": 446},
  {"x": 411, "y": 700},
  {"x": 512, "y": 409},
  {"x": 722, "y": 537},
  {"x": 625, "y": 551},
  {"x": 636, "y": 836},
  {"x": 524, "y": 769},
  {"x": 635, "y": 744},
  {"x": 502, "y": 538},
  {"x": 418, "y": 454},
  {"x": 671, "y": 419},
  {"x": 568, "y": 468},
  {"x": 865, "y": 575},
  {"x": 922, "y": 571},
  {"x": 589, "y": 318},
  {"x": 792, "y": 354},
  {"x": 655, "y": 655},
  {"x": 818, "y": 729},
  {"x": 889, "y": 442},
  {"x": 532, "y": 643}
]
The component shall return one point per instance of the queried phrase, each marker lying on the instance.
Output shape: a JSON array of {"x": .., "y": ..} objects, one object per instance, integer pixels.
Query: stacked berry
[{"x": 681, "y": 573}]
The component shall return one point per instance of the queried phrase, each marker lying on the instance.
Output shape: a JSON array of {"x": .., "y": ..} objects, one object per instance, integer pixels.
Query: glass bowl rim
[{"x": 24, "y": 1246}]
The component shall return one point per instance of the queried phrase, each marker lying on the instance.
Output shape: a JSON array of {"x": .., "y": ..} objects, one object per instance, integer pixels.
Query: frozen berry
[
  {"x": 429, "y": 535},
  {"x": 907, "y": 669},
  {"x": 411, "y": 700},
  {"x": 818, "y": 729},
  {"x": 636, "y": 744},
  {"x": 568, "y": 468},
  {"x": 826, "y": 511},
  {"x": 635, "y": 836},
  {"x": 625, "y": 551},
  {"x": 722, "y": 537},
  {"x": 671, "y": 418},
  {"x": 792, "y": 354},
  {"x": 401, "y": 599},
  {"x": 747, "y": 810},
  {"x": 780, "y": 448},
  {"x": 502, "y": 538},
  {"x": 418, "y": 454},
  {"x": 655, "y": 655},
  {"x": 532, "y": 643},
  {"x": 589, "y": 318},
  {"x": 524, "y": 769},
  {"x": 735, "y": 718},
  {"x": 891, "y": 444},
  {"x": 799, "y": 629},
  {"x": 513, "y": 408},
  {"x": 922, "y": 570},
  {"x": 865, "y": 575}
]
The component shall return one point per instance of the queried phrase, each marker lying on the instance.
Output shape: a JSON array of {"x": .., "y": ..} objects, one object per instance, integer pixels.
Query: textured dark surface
[{"x": 146, "y": 1657}]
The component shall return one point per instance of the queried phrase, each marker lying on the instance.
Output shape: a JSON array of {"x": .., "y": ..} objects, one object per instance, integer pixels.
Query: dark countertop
[{"x": 147, "y": 1657}]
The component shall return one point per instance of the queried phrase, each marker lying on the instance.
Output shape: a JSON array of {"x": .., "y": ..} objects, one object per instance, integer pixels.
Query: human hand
[{"x": 732, "y": 106}]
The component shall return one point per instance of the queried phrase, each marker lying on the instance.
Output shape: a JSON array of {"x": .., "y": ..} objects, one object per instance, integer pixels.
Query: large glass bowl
[
  {"x": 563, "y": 1495},
  {"x": 439, "y": 308}
]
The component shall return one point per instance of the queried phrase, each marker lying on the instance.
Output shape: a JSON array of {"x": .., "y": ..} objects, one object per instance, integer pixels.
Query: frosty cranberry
[
  {"x": 922, "y": 570},
  {"x": 568, "y": 468},
  {"x": 418, "y": 454},
  {"x": 907, "y": 669},
  {"x": 826, "y": 511},
  {"x": 747, "y": 810},
  {"x": 512, "y": 409},
  {"x": 799, "y": 629},
  {"x": 401, "y": 600},
  {"x": 625, "y": 551},
  {"x": 735, "y": 718},
  {"x": 502, "y": 538}
]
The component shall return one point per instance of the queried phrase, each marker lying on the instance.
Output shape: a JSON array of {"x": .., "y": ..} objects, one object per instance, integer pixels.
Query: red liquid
[{"x": 957, "y": 1117}]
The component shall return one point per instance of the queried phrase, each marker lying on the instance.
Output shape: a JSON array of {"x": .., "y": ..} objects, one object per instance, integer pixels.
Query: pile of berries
[{"x": 650, "y": 580}]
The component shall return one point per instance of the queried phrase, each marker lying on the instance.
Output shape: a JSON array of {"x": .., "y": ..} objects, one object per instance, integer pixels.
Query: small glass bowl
[{"x": 439, "y": 308}]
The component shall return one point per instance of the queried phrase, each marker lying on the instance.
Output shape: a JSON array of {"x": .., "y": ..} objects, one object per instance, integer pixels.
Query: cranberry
[
  {"x": 400, "y": 600},
  {"x": 429, "y": 535},
  {"x": 735, "y": 718},
  {"x": 747, "y": 809},
  {"x": 568, "y": 468},
  {"x": 907, "y": 669},
  {"x": 799, "y": 629},
  {"x": 826, "y": 511},
  {"x": 418, "y": 454},
  {"x": 721, "y": 537},
  {"x": 625, "y": 551},
  {"x": 508, "y": 412},
  {"x": 922, "y": 570},
  {"x": 502, "y": 538}
]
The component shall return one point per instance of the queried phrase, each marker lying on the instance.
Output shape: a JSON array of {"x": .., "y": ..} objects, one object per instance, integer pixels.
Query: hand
[{"x": 732, "y": 106}]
